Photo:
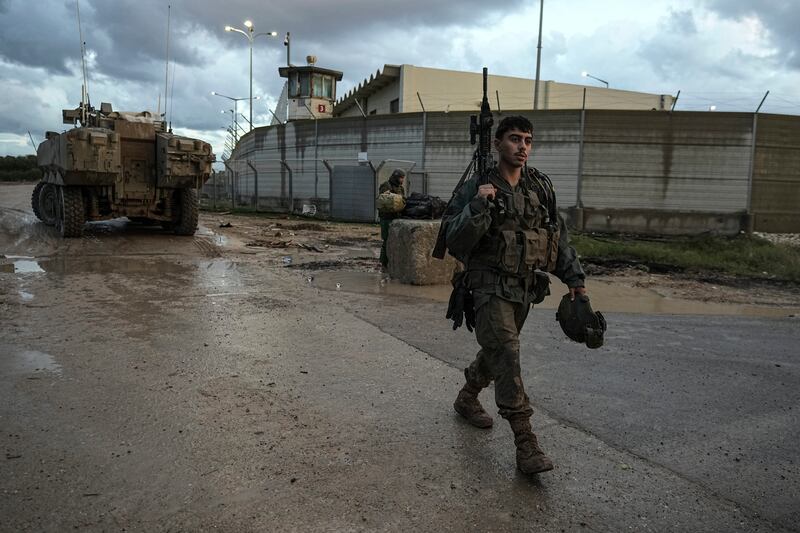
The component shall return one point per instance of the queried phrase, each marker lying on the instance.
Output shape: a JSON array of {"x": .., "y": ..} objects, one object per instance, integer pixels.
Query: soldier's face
[{"x": 514, "y": 147}]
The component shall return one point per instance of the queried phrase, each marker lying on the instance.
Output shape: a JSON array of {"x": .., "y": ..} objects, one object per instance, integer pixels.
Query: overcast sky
[{"x": 725, "y": 53}]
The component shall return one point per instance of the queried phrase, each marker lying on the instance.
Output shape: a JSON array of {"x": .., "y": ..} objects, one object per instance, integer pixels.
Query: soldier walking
[{"x": 508, "y": 233}]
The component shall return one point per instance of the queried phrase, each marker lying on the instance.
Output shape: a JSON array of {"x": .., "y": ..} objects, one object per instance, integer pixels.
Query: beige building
[{"x": 407, "y": 89}]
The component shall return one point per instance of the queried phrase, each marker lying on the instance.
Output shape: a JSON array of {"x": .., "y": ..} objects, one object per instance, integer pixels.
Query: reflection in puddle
[
  {"x": 26, "y": 266},
  {"x": 606, "y": 297},
  {"x": 21, "y": 266},
  {"x": 25, "y": 296},
  {"x": 28, "y": 361},
  {"x": 219, "y": 277},
  {"x": 111, "y": 264}
]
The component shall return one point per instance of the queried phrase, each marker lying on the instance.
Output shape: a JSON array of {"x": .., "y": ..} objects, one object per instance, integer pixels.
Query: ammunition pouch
[{"x": 518, "y": 252}]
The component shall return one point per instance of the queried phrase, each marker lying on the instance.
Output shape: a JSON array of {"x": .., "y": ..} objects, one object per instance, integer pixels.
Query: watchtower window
[
  {"x": 317, "y": 86},
  {"x": 394, "y": 106},
  {"x": 305, "y": 84},
  {"x": 293, "y": 86},
  {"x": 327, "y": 87}
]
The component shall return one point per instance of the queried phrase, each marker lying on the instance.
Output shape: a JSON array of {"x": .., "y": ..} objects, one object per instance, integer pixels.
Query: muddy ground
[
  {"x": 267, "y": 377},
  {"x": 318, "y": 245}
]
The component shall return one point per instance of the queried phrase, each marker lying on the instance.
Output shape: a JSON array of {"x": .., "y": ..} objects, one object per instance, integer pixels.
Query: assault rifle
[{"x": 480, "y": 131}]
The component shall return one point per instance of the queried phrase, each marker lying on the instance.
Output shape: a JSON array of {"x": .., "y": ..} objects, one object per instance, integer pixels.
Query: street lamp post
[
  {"x": 232, "y": 99},
  {"x": 250, "y": 38},
  {"x": 587, "y": 75}
]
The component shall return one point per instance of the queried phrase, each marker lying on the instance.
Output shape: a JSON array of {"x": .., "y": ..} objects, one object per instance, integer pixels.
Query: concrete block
[{"x": 409, "y": 250}]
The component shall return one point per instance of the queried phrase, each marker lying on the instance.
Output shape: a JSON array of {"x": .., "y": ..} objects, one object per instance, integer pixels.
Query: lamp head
[
  {"x": 248, "y": 24},
  {"x": 228, "y": 28},
  {"x": 584, "y": 73},
  {"x": 273, "y": 33}
]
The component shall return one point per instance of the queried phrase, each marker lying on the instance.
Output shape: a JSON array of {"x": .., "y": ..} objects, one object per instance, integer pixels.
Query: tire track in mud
[{"x": 206, "y": 247}]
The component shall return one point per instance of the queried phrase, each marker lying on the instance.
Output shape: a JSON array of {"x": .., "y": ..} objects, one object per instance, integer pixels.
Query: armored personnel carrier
[{"x": 119, "y": 164}]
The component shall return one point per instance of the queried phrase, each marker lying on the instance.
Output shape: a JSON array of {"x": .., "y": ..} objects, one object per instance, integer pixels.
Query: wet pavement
[{"x": 154, "y": 382}]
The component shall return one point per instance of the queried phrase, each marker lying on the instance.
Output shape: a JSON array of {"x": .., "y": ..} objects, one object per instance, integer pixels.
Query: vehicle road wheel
[
  {"x": 188, "y": 212},
  {"x": 72, "y": 216},
  {"x": 48, "y": 204},
  {"x": 35, "y": 200}
]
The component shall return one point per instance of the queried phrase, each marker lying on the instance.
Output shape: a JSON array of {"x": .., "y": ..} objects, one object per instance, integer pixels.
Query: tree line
[{"x": 19, "y": 168}]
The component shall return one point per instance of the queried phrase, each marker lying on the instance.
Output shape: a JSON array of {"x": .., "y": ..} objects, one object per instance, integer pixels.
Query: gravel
[{"x": 792, "y": 239}]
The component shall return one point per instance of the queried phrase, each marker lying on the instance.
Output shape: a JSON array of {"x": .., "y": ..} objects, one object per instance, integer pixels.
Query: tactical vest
[{"x": 522, "y": 237}]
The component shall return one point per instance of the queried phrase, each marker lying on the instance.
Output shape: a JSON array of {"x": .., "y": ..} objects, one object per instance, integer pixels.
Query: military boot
[
  {"x": 530, "y": 458},
  {"x": 468, "y": 406}
]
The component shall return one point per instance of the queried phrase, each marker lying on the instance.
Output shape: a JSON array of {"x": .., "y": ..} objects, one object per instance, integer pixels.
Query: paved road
[{"x": 152, "y": 382}]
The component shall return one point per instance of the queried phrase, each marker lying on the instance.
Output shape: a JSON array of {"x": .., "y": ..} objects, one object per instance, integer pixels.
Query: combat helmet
[{"x": 579, "y": 322}]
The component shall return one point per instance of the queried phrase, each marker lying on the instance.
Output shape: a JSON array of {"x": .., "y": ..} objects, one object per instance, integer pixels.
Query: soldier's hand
[
  {"x": 576, "y": 290},
  {"x": 487, "y": 191}
]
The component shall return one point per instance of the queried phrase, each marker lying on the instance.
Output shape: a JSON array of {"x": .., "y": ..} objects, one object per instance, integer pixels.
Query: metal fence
[{"x": 649, "y": 171}]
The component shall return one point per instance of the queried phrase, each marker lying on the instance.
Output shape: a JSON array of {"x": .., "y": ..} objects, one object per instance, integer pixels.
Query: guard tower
[{"x": 310, "y": 90}]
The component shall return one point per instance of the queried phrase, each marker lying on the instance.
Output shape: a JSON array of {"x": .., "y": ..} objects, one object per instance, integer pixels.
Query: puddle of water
[
  {"x": 606, "y": 297},
  {"x": 21, "y": 266},
  {"x": 29, "y": 361},
  {"x": 219, "y": 277},
  {"x": 26, "y": 266},
  {"x": 219, "y": 240},
  {"x": 25, "y": 296},
  {"x": 111, "y": 264}
]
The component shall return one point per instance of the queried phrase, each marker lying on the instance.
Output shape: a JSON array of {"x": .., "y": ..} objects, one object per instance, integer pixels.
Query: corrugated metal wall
[
  {"x": 686, "y": 162},
  {"x": 354, "y": 193}
]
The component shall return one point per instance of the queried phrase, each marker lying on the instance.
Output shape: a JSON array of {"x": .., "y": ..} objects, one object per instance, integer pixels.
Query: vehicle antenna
[
  {"x": 171, "y": 92},
  {"x": 166, "y": 73},
  {"x": 85, "y": 87}
]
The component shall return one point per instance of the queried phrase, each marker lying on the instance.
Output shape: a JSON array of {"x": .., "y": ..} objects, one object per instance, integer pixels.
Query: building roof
[
  {"x": 284, "y": 71},
  {"x": 370, "y": 86}
]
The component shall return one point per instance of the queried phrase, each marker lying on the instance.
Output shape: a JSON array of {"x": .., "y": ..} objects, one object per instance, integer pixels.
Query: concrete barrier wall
[
  {"x": 648, "y": 171},
  {"x": 776, "y": 175}
]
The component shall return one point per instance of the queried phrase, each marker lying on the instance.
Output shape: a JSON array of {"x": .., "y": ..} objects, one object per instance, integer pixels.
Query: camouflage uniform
[
  {"x": 386, "y": 218},
  {"x": 501, "y": 251}
]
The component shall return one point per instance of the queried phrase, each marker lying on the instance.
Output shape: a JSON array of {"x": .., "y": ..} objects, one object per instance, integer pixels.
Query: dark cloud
[
  {"x": 39, "y": 34},
  {"x": 126, "y": 43},
  {"x": 781, "y": 18},
  {"x": 129, "y": 36}
]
